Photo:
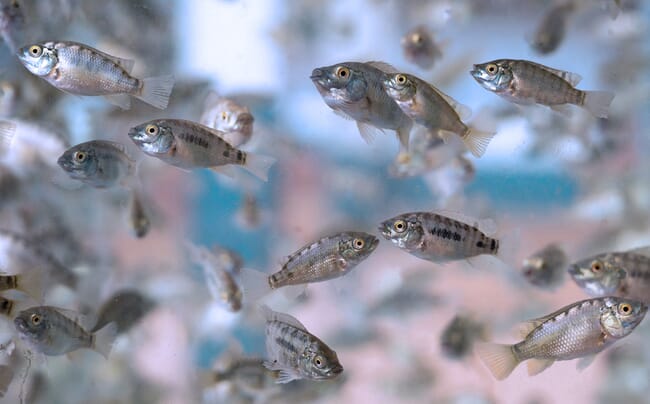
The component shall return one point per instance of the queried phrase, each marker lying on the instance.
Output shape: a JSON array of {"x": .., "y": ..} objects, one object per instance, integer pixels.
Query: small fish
[
  {"x": 579, "y": 330},
  {"x": 625, "y": 274},
  {"x": 436, "y": 111},
  {"x": 458, "y": 337},
  {"x": 12, "y": 23},
  {"x": 228, "y": 259},
  {"x": 124, "y": 308},
  {"x": 30, "y": 283},
  {"x": 46, "y": 330},
  {"x": 76, "y": 68},
  {"x": 524, "y": 82},
  {"x": 98, "y": 163},
  {"x": 138, "y": 218},
  {"x": 354, "y": 90},
  {"x": 294, "y": 352},
  {"x": 220, "y": 282},
  {"x": 551, "y": 28},
  {"x": 188, "y": 145},
  {"x": 327, "y": 258},
  {"x": 419, "y": 47},
  {"x": 438, "y": 238},
  {"x": 225, "y": 115},
  {"x": 545, "y": 268},
  {"x": 249, "y": 215}
]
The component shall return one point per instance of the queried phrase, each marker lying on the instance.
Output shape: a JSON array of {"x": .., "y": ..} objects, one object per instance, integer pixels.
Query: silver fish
[
  {"x": 354, "y": 90},
  {"x": 98, "y": 163},
  {"x": 80, "y": 69},
  {"x": 225, "y": 115},
  {"x": 124, "y": 308},
  {"x": 551, "y": 28},
  {"x": 46, "y": 330},
  {"x": 435, "y": 110},
  {"x": 437, "y": 238},
  {"x": 579, "y": 330},
  {"x": 545, "y": 268},
  {"x": 296, "y": 353},
  {"x": 188, "y": 145},
  {"x": 419, "y": 47},
  {"x": 525, "y": 82}
]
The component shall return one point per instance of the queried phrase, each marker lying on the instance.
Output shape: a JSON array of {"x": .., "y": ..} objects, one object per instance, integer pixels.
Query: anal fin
[{"x": 537, "y": 366}]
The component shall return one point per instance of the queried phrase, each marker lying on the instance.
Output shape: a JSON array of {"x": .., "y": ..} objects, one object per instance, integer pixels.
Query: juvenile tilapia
[
  {"x": 551, "y": 28},
  {"x": 434, "y": 110},
  {"x": 46, "y": 330},
  {"x": 437, "y": 238},
  {"x": 419, "y": 47},
  {"x": 188, "y": 145},
  {"x": 328, "y": 258},
  {"x": 355, "y": 90},
  {"x": 99, "y": 163},
  {"x": 524, "y": 82},
  {"x": 225, "y": 115},
  {"x": 546, "y": 267},
  {"x": 79, "y": 69},
  {"x": 579, "y": 330},
  {"x": 124, "y": 308},
  {"x": 296, "y": 353}
]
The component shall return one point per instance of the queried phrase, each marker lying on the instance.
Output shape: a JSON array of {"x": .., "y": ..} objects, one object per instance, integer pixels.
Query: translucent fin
[
  {"x": 121, "y": 100},
  {"x": 254, "y": 284},
  {"x": 500, "y": 359},
  {"x": 227, "y": 170},
  {"x": 526, "y": 327},
  {"x": 7, "y": 131},
  {"x": 583, "y": 363},
  {"x": 383, "y": 66},
  {"x": 103, "y": 339},
  {"x": 563, "y": 109},
  {"x": 537, "y": 366},
  {"x": 368, "y": 132},
  {"x": 403, "y": 135},
  {"x": 31, "y": 283},
  {"x": 487, "y": 226},
  {"x": 641, "y": 251},
  {"x": 597, "y": 102},
  {"x": 156, "y": 90},
  {"x": 571, "y": 78},
  {"x": 342, "y": 114},
  {"x": 271, "y": 315},
  {"x": 259, "y": 165},
  {"x": 285, "y": 375},
  {"x": 463, "y": 111},
  {"x": 211, "y": 99},
  {"x": 292, "y": 292},
  {"x": 477, "y": 141},
  {"x": 509, "y": 244}
]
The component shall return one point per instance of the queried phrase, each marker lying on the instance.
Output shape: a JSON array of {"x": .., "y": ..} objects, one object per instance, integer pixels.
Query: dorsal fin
[
  {"x": 572, "y": 78},
  {"x": 271, "y": 315},
  {"x": 383, "y": 66},
  {"x": 463, "y": 111},
  {"x": 527, "y": 326},
  {"x": 487, "y": 226},
  {"x": 641, "y": 251}
]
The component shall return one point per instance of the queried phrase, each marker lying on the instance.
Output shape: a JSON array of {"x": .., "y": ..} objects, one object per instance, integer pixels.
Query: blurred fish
[
  {"x": 427, "y": 152},
  {"x": 220, "y": 282},
  {"x": 249, "y": 215},
  {"x": 188, "y": 145},
  {"x": 7, "y": 130},
  {"x": 419, "y": 47},
  {"x": 124, "y": 308},
  {"x": 10, "y": 307},
  {"x": 76, "y": 68},
  {"x": 436, "y": 111},
  {"x": 296, "y": 353},
  {"x": 402, "y": 302},
  {"x": 545, "y": 268},
  {"x": 48, "y": 331},
  {"x": 228, "y": 259},
  {"x": 438, "y": 238},
  {"x": 225, "y": 115},
  {"x": 579, "y": 330},
  {"x": 12, "y": 23},
  {"x": 450, "y": 179},
  {"x": 99, "y": 163},
  {"x": 551, "y": 28},
  {"x": 138, "y": 218},
  {"x": 458, "y": 337},
  {"x": 327, "y": 258},
  {"x": 625, "y": 274},
  {"x": 524, "y": 82},
  {"x": 354, "y": 90},
  {"x": 248, "y": 378},
  {"x": 30, "y": 282}
]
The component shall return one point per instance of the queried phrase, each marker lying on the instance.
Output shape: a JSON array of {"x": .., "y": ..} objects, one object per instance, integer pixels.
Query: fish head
[
  {"x": 405, "y": 231},
  {"x": 356, "y": 246},
  {"x": 620, "y": 316},
  {"x": 153, "y": 137},
  {"x": 341, "y": 83},
  {"x": 494, "y": 76},
  {"x": 319, "y": 362},
  {"x": 399, "y": 87},
  {"x": 39, "y": 59},
  {"x": 598, "y": 275},
  {"x": 32, "y": 324},
  {"x": 417, "y": 40},
  {"x": 80, "y": 162}
]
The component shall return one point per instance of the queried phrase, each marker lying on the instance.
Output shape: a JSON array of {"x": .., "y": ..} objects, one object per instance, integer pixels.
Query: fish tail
[
  {"x": 254, "y": 284},
  {"x": 104, "y": 338},
  {"x": 7, "y": 131},
  {"x": 156, "y": 90},
  {"x": 509, "y": 246},
  {"x": 31, "y": 283},
  {"x": 597, "y": 102},
  {"x": 477, "y": 141},
  {"x": 499, "y": 358},
  {"x": 258, "y": 165}
]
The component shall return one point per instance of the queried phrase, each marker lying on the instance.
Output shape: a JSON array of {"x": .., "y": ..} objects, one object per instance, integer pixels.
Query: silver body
[{"x": 105, "y": 164}]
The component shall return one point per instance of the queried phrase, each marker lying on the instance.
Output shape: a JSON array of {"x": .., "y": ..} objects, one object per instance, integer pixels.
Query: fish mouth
[
  {"x": 336, "y": 370},
  {"x": 136, "y": 136},
  {"x": 21, "y": 324},
  {"x": 316, "y": 74},
  {"x": 374, "y": 243},
  {"x": 475, "y": 72},
  {"x": 574, "y": 270},
  {"x": 243, "y": 120},
  {"x": 64, "y": 162},
  {"x": 384, "y": 229}
]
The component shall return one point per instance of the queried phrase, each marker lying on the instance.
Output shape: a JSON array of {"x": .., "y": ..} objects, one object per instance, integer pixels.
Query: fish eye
[
  {"x": 358, "y": 243},
  {"x": 79, "y": 156},
  {"x": 35, "y": 50},
  {"x": 596, "y": 266},
  {"x": 224, "y": 115},
  {"x": 399, "y": 226},
  {"x": 151, "y": 130},
  {"x": 36, "y": 319},
  {"x": 342, "y": 72},
  {"x": 491, "y": 68},
  {"x": 417, "y": 38},
  {"x": 625, "y": 308},
  {"x": 318, "y": 361},
  {"x": 400, "y": 78}
]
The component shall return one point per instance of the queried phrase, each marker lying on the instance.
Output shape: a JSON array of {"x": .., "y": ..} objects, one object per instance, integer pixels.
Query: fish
[
  {"x": 579, "y": 330},
  {"x": 623, "y": 273},
  {"x": 438, "y": 238},
  {"x": 49, "y": 331},
  {"x": 294, "y": 352},
  {"x": 249, "y": 215},
  {"x": 99, "y": 163},
  {"x": 546, "y": 267},
  {"x": 29, "y": 282},
  {"x": 435, "y": 110},
  {"x": 124, "y": 309},
  {"x": 12, "y": 23},
  {"x": 354, "y": 90},
  {"x": 188, "y": 145},
  {"x": 138, "y": 217},
  {"x": 551, "y": 29},
  {"x": 225, "y": 115},
  {"x": 419, "y": 47},
  {"x": 79, "y": 69},
  {"x": 220, "y": 282},
  {"x": 228, "y": 259},
  {"x": 524, "y": 82},
  {"x": 330, "y": 257},
  {"x": 458, "y": 338}
]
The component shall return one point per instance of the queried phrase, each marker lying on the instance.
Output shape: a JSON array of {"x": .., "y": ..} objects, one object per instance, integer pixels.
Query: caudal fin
[
  {"x": 477, "y": 141},
  {"x": 500, "y": 359},
  {"x": 31, "y": 283},
  {"x": 7, "y": 131},
  {"x": 254, "y": 284},
  {"x": 156, "y": 91},
  {"x": 103, "y": 339},
  {"x": 259, "y": 165},
  {"x": 597, "y": 102}
]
